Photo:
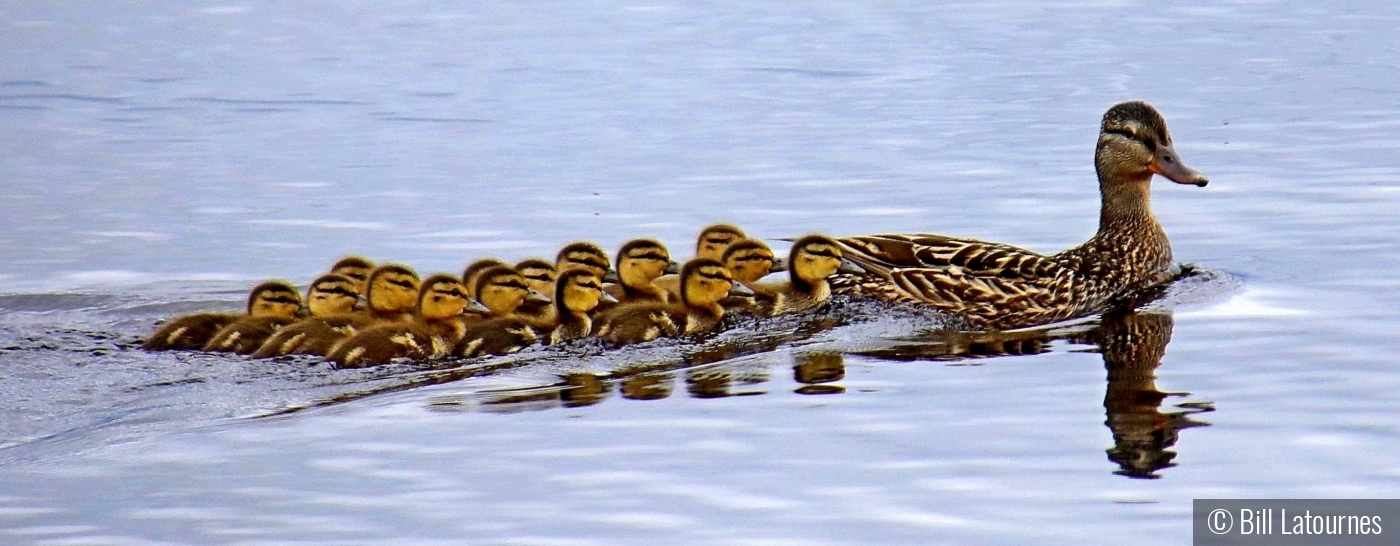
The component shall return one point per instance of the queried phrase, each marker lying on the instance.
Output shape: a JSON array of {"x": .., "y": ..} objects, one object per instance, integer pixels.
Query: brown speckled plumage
[{"x": 996, "y": 286}]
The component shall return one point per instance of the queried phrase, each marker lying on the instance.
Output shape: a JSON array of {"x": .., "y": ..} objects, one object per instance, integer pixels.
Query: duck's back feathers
[
  {"x": 188, "y": 333},
  {"x": 496, "y": 337},
  {"x": 312, "y": 336},
  {"x": 245, "y": 335}
]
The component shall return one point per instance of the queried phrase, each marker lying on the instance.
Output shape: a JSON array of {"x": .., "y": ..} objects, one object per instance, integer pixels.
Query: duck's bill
[
  {"x": 476, "y": 307},
  {"x": 611, "y": 277},
  {"x": 1168, "y": 164},
  {"x": 739, "y": 290},
  {"x": 779, "y": 265},
  {"x": 673, "y": 267},
  {"x": 534, "y": 296},
  {"x": 608, "y": 298}
]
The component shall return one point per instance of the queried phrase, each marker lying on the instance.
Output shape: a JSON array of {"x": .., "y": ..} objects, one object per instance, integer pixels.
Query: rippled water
[{"x": 158, "y": 159}]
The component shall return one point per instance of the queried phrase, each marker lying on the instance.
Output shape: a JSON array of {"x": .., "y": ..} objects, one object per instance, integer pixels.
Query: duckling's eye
[
  {"x": 283, "y": 299},
  {"x": 354, "y": 276},
  {"x": 400, "y": 284},
  {"x": 717, "y": 240},
  {"x": 540, "y": 277}
]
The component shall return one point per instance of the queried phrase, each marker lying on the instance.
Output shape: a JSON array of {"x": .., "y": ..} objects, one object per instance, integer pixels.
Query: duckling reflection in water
[
  {"x": 435, "y": 328},
  {"x": 816, "y": 370},
  {"x": 276, "y": 300}
]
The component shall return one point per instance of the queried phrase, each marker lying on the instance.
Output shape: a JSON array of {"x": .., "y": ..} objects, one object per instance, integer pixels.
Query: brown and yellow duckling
[
  {"x": 577, "y": 293},
  {"x": 704, "y": 282},
  {"x": 639, "y": 263},
  {"x": 583, "y": 254},
  {"x": 715, "y": 239},
  {"x": 436, "y": 327},
  {"x": 502, "y": 290},
  {"x": 332, "y": 300},
  {"x": 540, "y": 275},
  {"x": 475, "y": 269},
  {"x": 355, "y": 268},
  {"x": 391, "y": 293},
  {"x": 193, "y": 332},
  {"x": 994, "y": 286},
  {"x": 812, "y": 259},
  {"x": 245, "y": 334}
]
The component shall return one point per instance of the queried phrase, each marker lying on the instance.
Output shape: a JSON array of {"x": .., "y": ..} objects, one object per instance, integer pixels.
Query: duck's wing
[{"x": 960, "y": 275}]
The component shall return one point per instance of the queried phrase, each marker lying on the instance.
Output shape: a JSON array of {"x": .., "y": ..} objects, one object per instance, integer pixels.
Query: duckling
[
  {"x": 639, "y": 263},
  {"x": 583, "y": 254},
  {"x": 577, "y": 295},
  {"x": 812, "y": 259},
  {"x": 193, "y": 332},
  {"x": 711, "y": 244},
  {"x": 392, "y": 292},
  {"x": 704, "y": 282},
  {"x": 502, "y": 290},
  {"x": 749, "y": 260},
  {"x": 355, "y": 268},
  {"x": 475, "y": 268},
  {"x": 331, "y": 299},
  {"x": 435, "y": 328},
  {"x": 539, "y": 274},
  {"x": 245, "y": 334},
  {"x": 995, "y": 286},
  {"x": 715, "y": 239}
]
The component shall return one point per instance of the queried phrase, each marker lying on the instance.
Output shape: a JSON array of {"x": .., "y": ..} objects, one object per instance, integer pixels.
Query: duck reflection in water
[
  {"x": 1132, "y": 345},
  {"x": 816, "y": 370}
]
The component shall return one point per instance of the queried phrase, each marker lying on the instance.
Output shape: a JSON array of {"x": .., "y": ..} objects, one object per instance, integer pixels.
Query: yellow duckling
[
  {"x": 583, "y": 254},
  {"x": 328, "y": 296},
  {"x": 435, "y": 328},
  {"x": 193, "y": 332},
  {"x": 704, "y": 282},
  {"x": 750, "y": 260},
  {"x": 332, "y": 300},
  {"x": 715, "y": 239},
  {"x": 577, "y": 295},
  {"x": 502, "y": 291},
  {"x": 639, "y": 263},
  {"x": 475, "y": 268},
  {"x": 355, "y": 268},
  {"x": 812, "y": 259},
  {"x": 539, "y": 274},
  {"x": 392, "y": 292}
]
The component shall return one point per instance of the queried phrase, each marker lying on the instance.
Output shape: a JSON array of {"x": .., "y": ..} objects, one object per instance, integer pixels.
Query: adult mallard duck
[{"x": 996, "y": 286}]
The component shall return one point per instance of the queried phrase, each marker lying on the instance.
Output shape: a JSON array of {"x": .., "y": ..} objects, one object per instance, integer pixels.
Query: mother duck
[{"x": 995, "y": 286}]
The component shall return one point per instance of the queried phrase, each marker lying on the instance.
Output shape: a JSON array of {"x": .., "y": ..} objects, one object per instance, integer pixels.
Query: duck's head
[
  {"x": 475, "y": 268},
  {"x": 813, "y": 258},
  {"x": 355, "y": 268},
  {"x": 584, "y": 255},
  {"x": 443, "y": 297},
  {"x": 274, "y": 299},
  {"x": 392, "y": 288},
  {"x": 749, "y": 260},
  {"x": 331, "y": 295},
  {"x": 1134, "y": 145},
  {"x": 714, "y": 239},
  {"x": 641, "y": 261},
  {"x": 502, "y": 290},
  {"x": 705, "y": 282},
  {"x": 538, "y": 273},
  {"x": 579, "y": 291}
]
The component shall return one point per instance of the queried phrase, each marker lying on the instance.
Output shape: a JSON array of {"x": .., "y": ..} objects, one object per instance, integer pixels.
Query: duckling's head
[
  {"x": 705, "y": 282},
  {"x": 1134, "y": 145},
  {"x": 275, "y": 299},
  {"x": 356, "y": 269},
  {"x": 392, "y": 288},
  {"x": 502, "y": 290},
  {"x": 538, "y": 273},
  {"x": 475, "y": 268},
  {"x": 813, "y": 258},
  {"x": 579, "y": 291},
  {"x": 331, "y": 295},
  {"x": 442, "y": 297},
  {"x": 714, "y": 239},
  {"x": 641, "y": 261},
  {"x": 748, "y": 260},
  {"x": 585, "y": 255}
]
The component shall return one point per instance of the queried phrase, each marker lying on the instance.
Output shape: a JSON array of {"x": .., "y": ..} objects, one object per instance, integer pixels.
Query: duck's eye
[
  {"x": 540, "y": 277},
  {"x": 400, "y": 283}
]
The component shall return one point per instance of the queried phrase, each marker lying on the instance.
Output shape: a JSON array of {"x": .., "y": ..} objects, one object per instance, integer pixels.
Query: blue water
[{"x": 159, "y": 159}]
